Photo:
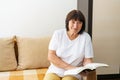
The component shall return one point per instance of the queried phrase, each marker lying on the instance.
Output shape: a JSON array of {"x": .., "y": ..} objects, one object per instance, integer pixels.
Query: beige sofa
[{"x": 23, "y": 58}]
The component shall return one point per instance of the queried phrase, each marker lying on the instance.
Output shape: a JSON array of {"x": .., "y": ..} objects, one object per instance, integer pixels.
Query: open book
[{"x": 90, "y": 66}]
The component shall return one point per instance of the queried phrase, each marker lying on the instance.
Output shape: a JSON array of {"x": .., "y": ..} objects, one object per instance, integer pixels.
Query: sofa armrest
[{"x": 91, "y": 75}]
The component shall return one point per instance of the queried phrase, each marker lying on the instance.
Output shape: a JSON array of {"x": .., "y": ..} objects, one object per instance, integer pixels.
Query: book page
[
  {"x": 90, "y": 66},
  {"x": 93, "y": 66},
  {"x": 74, "y": 71}
]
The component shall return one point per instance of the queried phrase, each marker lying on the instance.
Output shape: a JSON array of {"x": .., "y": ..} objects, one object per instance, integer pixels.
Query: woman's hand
[
  {"x": 86, "y": 61},
  {"x": 85, "y": 72}
]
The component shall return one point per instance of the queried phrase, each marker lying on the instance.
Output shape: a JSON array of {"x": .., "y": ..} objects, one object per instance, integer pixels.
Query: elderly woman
[{"x": 69, "y": 48}]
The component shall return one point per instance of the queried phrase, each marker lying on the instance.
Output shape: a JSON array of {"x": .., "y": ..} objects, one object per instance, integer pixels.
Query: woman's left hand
[{"x": 85, "y": 72}]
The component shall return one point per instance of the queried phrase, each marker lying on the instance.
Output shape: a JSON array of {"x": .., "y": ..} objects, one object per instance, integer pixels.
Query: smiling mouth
[{"x": 75, "y": 29}]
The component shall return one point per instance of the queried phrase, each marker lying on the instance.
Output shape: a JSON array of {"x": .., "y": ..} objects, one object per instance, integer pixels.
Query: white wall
[
  {"x": 106, "y": 34},
  {"x": 33, "y": 17}
]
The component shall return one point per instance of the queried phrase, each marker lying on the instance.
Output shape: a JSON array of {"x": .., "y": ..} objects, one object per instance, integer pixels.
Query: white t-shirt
[{"x": 71, "y": 51}]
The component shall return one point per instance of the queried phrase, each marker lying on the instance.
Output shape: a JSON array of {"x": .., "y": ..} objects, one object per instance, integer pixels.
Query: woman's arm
[
  {"x": 53, "y": 58},
  {"x": 87, "y": 60}
]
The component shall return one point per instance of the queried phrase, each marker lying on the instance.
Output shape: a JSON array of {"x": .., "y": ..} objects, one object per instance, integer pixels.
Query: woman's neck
[{"x": 72, "y": 36}]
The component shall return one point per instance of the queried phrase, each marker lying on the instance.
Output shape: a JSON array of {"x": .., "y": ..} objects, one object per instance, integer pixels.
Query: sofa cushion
[
  {"x": 32, "y": 74},
  {"x": 7, "y": 54},
  {"x": 32, "y": 52}
]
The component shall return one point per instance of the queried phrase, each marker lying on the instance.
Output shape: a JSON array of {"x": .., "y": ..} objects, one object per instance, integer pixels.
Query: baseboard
[{"x": 108, "y": 76}]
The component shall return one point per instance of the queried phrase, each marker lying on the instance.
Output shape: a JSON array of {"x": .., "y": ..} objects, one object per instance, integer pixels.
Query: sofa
[{"x": 25, "y": 58}]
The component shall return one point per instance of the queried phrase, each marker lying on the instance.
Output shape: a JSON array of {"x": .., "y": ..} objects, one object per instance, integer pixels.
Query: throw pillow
[
  {"x": 7, "y": 54},
  {"x": 32, "y": 52}
]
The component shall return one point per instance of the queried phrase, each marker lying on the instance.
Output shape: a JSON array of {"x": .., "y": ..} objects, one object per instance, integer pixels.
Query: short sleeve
[
  {"x": 54, "y": 42},
  {"x": 88, "y": 47}
]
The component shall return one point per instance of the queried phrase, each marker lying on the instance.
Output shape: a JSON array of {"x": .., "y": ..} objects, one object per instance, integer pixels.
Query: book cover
[{"x": 90, "y": 66}]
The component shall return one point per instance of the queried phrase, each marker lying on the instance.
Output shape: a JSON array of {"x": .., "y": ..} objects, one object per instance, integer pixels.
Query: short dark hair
[{"x": 76, "y": 15}]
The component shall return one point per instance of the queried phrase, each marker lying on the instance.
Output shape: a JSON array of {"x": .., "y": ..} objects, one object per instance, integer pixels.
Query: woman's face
[{"x": 74, "y": 26}]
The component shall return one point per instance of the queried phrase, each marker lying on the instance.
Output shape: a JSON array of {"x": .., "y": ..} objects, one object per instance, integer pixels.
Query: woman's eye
[
  {"x": 73, "y": 21},
  {"x": 79, "y": 22}
]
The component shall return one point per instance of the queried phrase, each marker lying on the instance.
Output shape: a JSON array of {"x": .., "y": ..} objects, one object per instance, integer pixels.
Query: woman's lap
[{"x": 52, "y": 76}]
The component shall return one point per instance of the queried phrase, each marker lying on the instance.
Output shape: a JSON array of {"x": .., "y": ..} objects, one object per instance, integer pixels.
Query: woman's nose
[{"x": 75, "y": 25}]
